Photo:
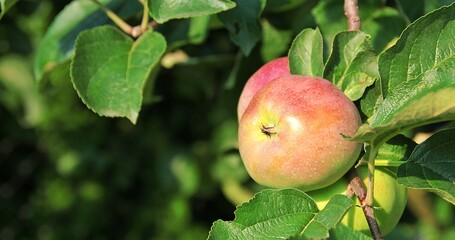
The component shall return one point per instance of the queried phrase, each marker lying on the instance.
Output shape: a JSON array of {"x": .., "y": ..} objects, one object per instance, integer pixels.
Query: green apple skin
[
  {"x": 290, "y": 133},
  {"x": 389, "y": 199},
  {"x": 269, "y": 71}
]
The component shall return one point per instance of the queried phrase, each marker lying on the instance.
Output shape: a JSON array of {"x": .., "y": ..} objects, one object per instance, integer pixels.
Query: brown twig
[
  {"x": 356, "y": 186},
  {"x": 351, "y": 10}
]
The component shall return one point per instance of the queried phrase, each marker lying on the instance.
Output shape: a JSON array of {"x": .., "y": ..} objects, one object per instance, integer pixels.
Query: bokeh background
[{"x": 66, "y": 173}]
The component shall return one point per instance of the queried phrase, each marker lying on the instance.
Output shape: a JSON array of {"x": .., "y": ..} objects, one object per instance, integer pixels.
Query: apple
[
  {"x": 290, "y": 135},
  {"x": 269, "y": 71},
  {"x": 389, "y": 200}
]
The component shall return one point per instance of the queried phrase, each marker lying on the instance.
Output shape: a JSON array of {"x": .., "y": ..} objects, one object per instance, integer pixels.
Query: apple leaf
[
  {"x": 383, "y": 25},
  {"x": 352, "y": 66},
  {"x": 243, "y": 24},
  {"x": 279, "y": 214},
  {"x": 164, "y": 10},
  {"x": 5, "y": 6},
  {"x": 274, "y": 41},
  {"x": 343, "y": 232},
  {"x": 306, "y": 53},
  {"x": 109, "y": 70},
  {"x": 371, "y": 99},
  {"x": 417, "y": 78},
  {"x": 399, "y": 148},
  {"x": 57, "y": 44},
  {"x": 198, "y": 30},
  {"x": 431, "y": 166},
  {"x": 328, "y": 217}
]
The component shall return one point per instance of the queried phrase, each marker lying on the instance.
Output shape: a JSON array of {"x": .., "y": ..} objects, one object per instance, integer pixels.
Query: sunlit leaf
[
  {"x": 5, "y": 6},
  {"x": 328, "y": 217},
  {"x": 281, "y": 214},
  {"x": 306, "y": 53},
  {"x": 164, "y": 10},
  {"x": 109, "y": 70},
  {"x": 352, "y": 65},
  {"x": 417, "y": 77},
  {"x": 343, "y": 232}
]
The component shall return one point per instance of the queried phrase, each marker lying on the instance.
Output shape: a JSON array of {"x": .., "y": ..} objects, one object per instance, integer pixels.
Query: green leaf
[
  {"x": 411, "y": 10},
  {"x": 398, "y": 148},
  {"x": 109, "y": 70},
  {"x": 243, "y": 24},
  {"x": 352, "y": 65},
  {"x": 417, "y": 78},
  {"x": 328, "y": 217},
  {"x": 383, "y": 25},
  {"x": 275, "y": 42},
  {"x": 58, "y": 43},
  {"x": 280, "y": 214},
  {"x": 432, "y": 166},
  {"x": 343, "y": 232},
  {"x": 164, "y": 10},
  {"x": 198, "y": 30},
  {"x": 5, "y": 6},
  {"x": 431, "y": 5},
  {"x": 306, "y": 53},
  {"x": 371, "y": 99},
  {"x": 271, "y": 214}
]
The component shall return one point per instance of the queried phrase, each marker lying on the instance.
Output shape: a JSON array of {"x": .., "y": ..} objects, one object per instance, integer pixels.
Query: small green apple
[
  {"x": 389, "y": 200},
  {"x": 269, "y": 71},
  {"x": 290, "y": 135}
]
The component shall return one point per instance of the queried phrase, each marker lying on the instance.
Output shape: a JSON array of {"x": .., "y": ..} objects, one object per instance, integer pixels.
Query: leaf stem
[
  {"x": 139, "y": 30},
  {"x": 115, "y": 18},
  {"x": 145, "y": 17},
  {"x": 371, "y": 166},
  {"x": 388, "y": 163}
]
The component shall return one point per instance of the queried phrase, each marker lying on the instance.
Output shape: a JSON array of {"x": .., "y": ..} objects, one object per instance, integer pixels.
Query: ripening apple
[
  {"x": 389, "y": 200},
  {"x": 290, "y": 135},
  {"x": 269, "y": 71}
]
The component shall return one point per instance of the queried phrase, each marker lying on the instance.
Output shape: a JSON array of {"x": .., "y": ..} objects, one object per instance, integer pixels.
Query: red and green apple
[{"x": 291, "y": 133}]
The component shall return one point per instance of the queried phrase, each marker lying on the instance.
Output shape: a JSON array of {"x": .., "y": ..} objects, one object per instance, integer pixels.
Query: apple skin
[
  {"x": 269, "y": 71},
  {"x": 389, "y": 197},
  {"x": 290, "y": 133}
]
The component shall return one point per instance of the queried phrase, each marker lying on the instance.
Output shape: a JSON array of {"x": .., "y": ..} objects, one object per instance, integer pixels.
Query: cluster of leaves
[
  {"x": 413, "y": 83},
  {"x": 397, "y": 83}
]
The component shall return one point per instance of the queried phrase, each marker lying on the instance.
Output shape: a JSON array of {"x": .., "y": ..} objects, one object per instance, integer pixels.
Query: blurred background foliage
[{"x": 66, "y": 173}]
